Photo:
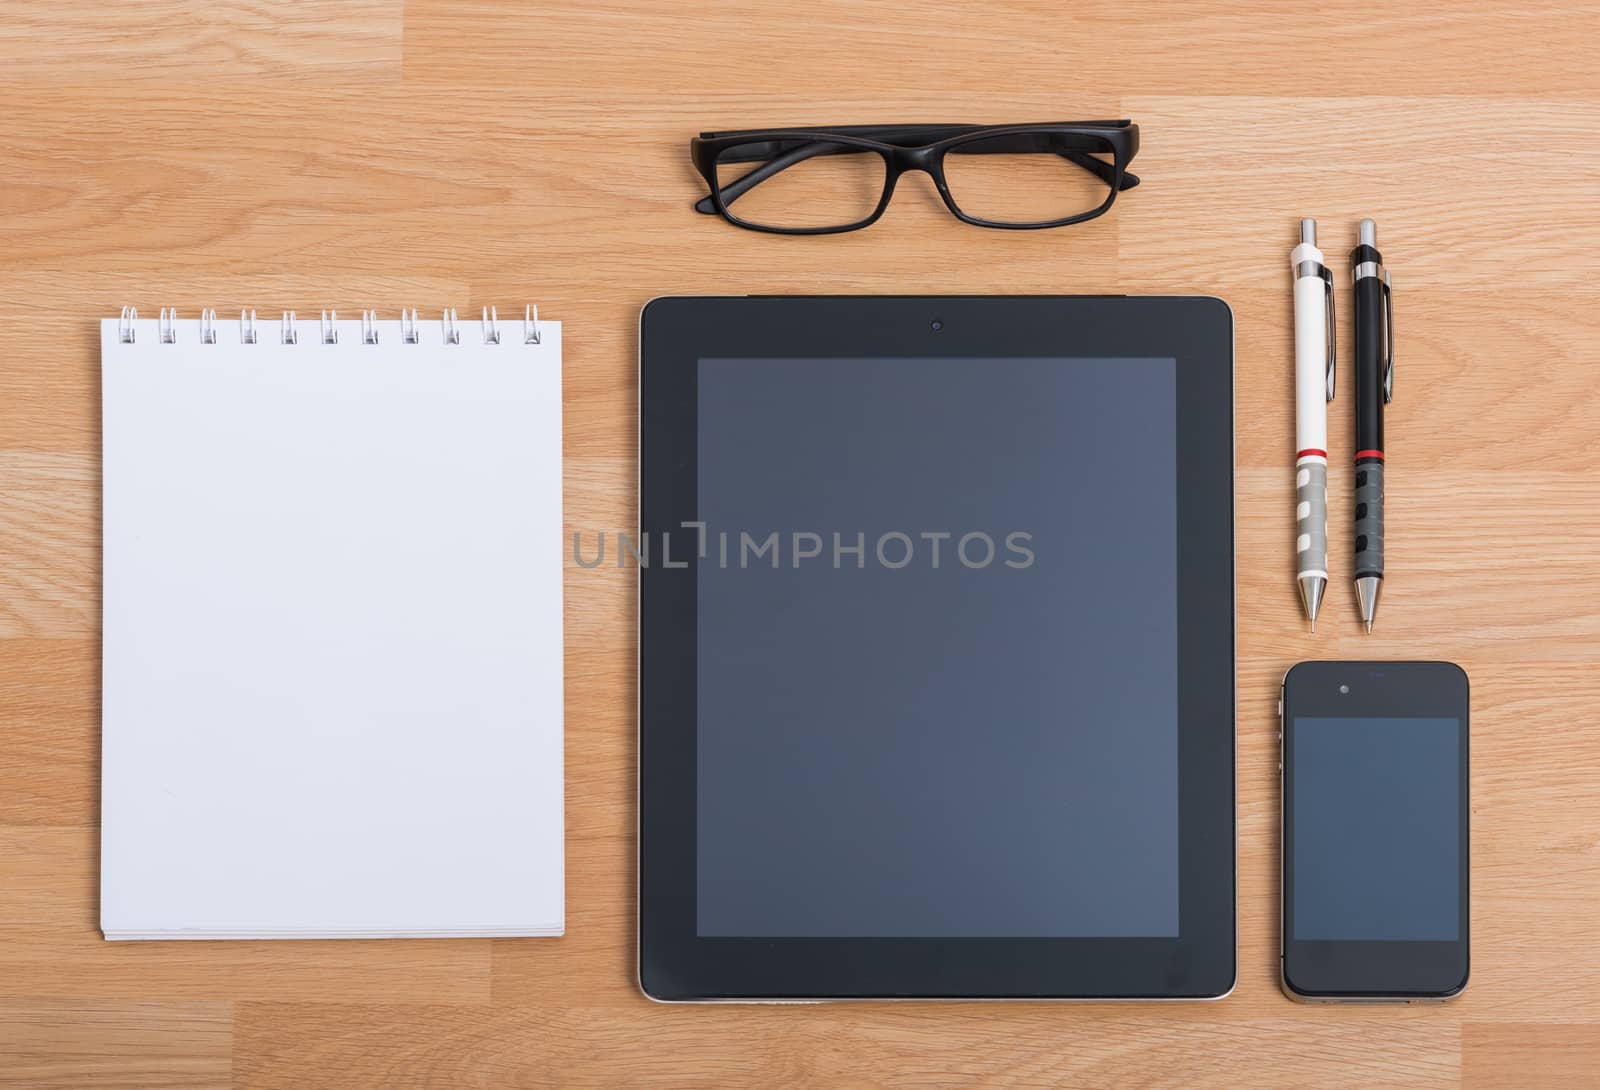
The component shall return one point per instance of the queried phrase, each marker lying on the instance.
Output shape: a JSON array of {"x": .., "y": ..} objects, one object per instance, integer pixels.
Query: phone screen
[{"x": 1375, "y": 833}]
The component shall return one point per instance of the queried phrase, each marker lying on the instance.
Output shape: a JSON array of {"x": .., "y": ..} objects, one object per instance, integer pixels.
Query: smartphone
[{"x": 1375, "y": 860}]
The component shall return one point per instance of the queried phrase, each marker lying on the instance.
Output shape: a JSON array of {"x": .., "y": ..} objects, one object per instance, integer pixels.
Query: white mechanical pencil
[{"x": 1313, "y": 389}]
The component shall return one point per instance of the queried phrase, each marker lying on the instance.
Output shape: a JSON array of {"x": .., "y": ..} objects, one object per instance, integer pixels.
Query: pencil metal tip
[
  {"x": 1311, "y": 588},
  {"x": 1367, "y": 588}
]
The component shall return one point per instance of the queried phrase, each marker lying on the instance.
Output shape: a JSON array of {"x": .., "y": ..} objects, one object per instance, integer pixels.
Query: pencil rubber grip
[
  {"x": 1369, "y": 519},
  {"x": 1311, "y": 517}
]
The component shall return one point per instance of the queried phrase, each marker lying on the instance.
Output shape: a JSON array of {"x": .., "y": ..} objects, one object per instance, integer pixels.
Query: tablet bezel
[{"x": 675, "y": 963}]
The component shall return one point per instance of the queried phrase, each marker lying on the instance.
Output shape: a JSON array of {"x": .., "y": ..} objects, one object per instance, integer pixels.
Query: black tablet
[{"x": 936, "y": 648}]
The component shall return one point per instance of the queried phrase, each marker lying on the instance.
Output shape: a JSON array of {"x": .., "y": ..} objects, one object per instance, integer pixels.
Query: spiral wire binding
[{"x": 410, "y": 327}]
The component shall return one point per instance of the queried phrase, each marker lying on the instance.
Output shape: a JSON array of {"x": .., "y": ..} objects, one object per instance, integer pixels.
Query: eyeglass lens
[
  {"x": 1022, "y": 178},
  {"x": 802, "y": 183}
]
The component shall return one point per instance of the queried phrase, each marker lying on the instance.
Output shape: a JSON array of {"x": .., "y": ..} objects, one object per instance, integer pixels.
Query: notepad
[{"x": 332, "y": 646}]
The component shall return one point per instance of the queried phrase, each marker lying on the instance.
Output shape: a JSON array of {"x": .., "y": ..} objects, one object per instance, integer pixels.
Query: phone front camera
[
  {"x": 936, "y": 325},
  {"x": 1344, "y": 690}
]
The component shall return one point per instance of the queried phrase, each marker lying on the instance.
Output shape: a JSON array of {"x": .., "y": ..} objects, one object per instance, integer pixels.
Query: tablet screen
[{"x": 937, "y": 690}]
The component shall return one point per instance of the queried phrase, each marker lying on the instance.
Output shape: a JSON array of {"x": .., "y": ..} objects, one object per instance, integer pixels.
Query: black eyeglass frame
[{"x": 906, "y": 148}]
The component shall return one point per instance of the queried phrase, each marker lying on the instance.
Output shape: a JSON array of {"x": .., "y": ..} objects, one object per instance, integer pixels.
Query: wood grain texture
[
  {"x": 372, "y": 154},
  {"x": 1509, "y": 1057},
  {"x": 87, "y": 1044}
]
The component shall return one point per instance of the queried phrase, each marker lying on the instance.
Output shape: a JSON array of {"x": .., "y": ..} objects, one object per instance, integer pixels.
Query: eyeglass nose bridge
[
  {"x": 927, "y": 160},
  {"x": 909, "y": 159}
]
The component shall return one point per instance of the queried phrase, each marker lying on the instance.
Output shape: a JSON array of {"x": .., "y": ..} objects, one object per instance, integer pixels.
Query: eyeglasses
[{"x": 817, "y": 181}]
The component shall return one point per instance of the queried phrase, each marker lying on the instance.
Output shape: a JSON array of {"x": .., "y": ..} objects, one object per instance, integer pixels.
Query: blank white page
[{"x": 332, "y": 633}]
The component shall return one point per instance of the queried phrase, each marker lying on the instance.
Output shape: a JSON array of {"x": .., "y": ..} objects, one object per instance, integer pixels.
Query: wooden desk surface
[{"x": 377, "y": 153}]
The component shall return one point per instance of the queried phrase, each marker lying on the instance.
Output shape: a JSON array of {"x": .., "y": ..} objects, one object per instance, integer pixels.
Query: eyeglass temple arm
[
  {"x": 1106, "y": 172},
  {"x": 1000, "y": 145}
]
